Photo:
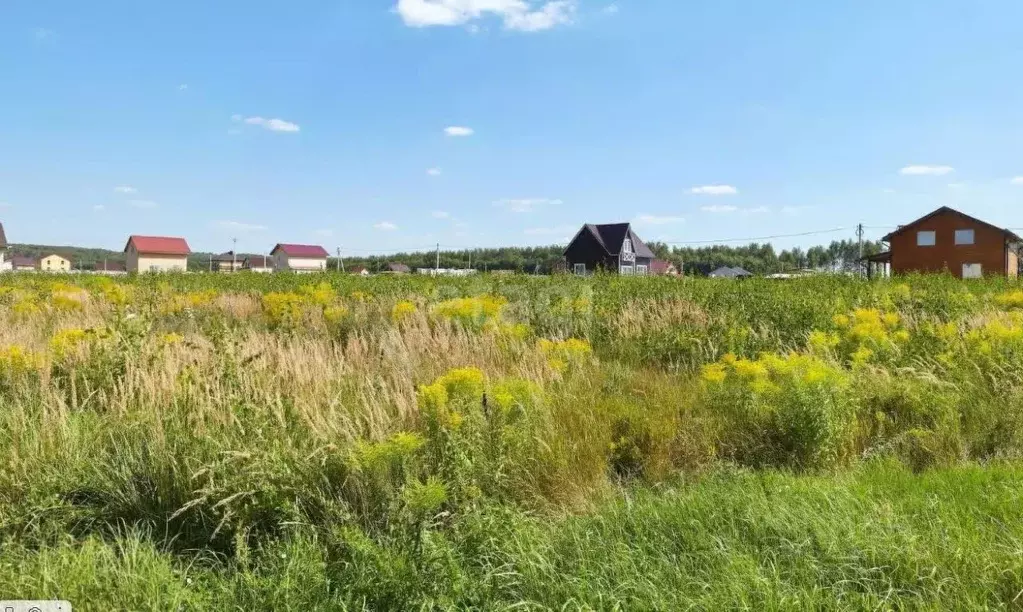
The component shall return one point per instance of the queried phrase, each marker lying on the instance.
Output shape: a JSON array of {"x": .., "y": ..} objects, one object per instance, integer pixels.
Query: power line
[{"x": 758, "y": 238}]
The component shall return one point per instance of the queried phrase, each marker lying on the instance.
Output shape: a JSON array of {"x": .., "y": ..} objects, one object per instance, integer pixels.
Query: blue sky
[{"x": 387, "y": 124}]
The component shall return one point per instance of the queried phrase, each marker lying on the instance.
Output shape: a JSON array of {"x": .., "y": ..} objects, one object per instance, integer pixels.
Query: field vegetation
[{"x": 329, "y": 442}]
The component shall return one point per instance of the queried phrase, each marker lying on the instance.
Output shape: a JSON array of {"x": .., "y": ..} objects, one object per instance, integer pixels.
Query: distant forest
[{"x": 757, "y": 258}]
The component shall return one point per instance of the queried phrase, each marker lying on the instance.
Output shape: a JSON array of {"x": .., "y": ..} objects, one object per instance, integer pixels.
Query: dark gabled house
[
  {"x": 612, "y": 247},
  {"x": 397, "y": 268}
]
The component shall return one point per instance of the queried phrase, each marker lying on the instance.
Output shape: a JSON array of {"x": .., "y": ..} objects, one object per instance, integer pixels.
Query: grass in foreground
[{"x": 879, "y": 537}]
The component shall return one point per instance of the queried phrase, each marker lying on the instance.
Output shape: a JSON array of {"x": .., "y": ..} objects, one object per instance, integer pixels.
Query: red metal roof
[
  {"x": 300, "y": 250},
  {"x": 159, "y": 245}
]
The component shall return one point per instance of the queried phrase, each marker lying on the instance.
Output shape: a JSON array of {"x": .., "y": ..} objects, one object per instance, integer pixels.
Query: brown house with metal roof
[{"x": 948, "y": 240}]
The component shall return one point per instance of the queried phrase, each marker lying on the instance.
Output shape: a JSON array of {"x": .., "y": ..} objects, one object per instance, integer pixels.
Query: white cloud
[
  {"x": 719, "y": 208},
  {"x": 324, "y": 233},
  {"x": 522, "y": 15},
  {"x": 385, "y": 226},
  {"x": 238, "y": 226},
  {"x": 756, "y": 210},
  {"x": 43, "y": 34},
  {"x": 657, "y": 220},
  {"x": 457, "y": 130},
  {"x": 99, "y": 207},
  {"x": 1017, "y": 180},
  {"x": 610, "y": 9},
  {"x": 714, "y": 190},
  {"x": 957, "y": 185},
  {"x": 125, "y": 189},
  {"x": 183, "y": 87},
  {"x": 440, "y": 214},
  {"x": 143, "y": 204},
  {"x": 274, "y": 125},
  {"x": 434, "y": 171},
  {"x": 525, "y": 205},
  {"x": 926, "y": 170},
  {"x": 888, "y": 190}
]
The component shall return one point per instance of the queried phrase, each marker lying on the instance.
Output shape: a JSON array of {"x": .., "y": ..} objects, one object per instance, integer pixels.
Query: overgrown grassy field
[{"x": 328, "y": 443}]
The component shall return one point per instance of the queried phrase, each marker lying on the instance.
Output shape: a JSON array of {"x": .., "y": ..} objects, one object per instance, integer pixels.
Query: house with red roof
[
  {"x": 156, "y": 254},
  {"x": 299, "y": 257}
]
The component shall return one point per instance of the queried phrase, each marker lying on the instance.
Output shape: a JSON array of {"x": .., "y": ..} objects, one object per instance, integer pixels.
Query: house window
[
  {"x": 926, "y": 238},
  {"x": 579, "y": 269},
  {"x": 964, "y": 236},
  {"x": 641, "y": 270},
  {"x": 627, "y": 247},
  {"x": 972, "y": 270},
  {"x": 627, "y": 270}
]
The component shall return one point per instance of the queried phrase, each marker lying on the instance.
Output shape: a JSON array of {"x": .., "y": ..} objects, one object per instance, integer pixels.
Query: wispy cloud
[
  {"x": 610, "y": 9},
  {"x": 99, "y": 207},
  {"x": 143, "y": 204},
  {"x": 521, "y": 15},
  {"x": 274, "y": 125},
  {"x": 1017, "y": 180},
  {"x": 887, "y": 190},
  {"x": 525, "y": 205},
  {"x": 920, "y": 170},
  {"x": 440, "y": 214},
  {"x": 238, "y": 226},
  {"x": 183, "y": 87},
  {"x": 657, "y": 219},
  {"x": 43, "y": 34},
  {"x": 458, "y": 130},
  {"x": 385, "y": 226},
  {"x": 128, "y": 189},
  {"x": 719, "y": 208},
  {"x": 957, "y": 185},
  {"x": 714, "y": 190},
  {"x": 756, "y": 210},
  {"x": 434, "y": 171}
]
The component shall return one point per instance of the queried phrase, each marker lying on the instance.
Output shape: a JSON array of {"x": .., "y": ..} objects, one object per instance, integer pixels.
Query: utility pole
[
  {"x": 470, "y": 259},
  {"x": 859, "y": 239},
  {"x": 234, "y": 255},
  {"x": 211, "y": 262},
  {"x": 436, "y": 268},
  {"x": 340, "y": 262}
]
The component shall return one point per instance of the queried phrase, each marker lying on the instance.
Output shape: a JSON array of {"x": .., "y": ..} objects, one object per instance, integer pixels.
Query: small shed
[{"x": 729, "y": 272}]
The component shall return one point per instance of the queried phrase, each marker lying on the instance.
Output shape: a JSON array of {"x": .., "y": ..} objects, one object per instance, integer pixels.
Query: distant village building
[
  {"x": 299, "y": 257},
  {"x": 661, "y": 267},
  {"x": 445, "y": 271},
  {"x": 55, "y": 263},
  {"x": 359, "y": 271},
  {"x": 228, "y": 262},
  {"x": 612, "y": 247},
  {"x": 110, "y": 268},
  {"x": 948, "y": 240},
  {"x": 258, "y": 263},
  {"x": 4, "y": 264},
  {"x": 20, "y": 263},
  {"x": 727, "y": 272},
  {"x": 156, "y": 254},
  {"x": 398, "y": 268}
]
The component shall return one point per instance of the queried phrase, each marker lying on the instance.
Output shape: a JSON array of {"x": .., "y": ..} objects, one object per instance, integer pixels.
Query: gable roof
[
  {"x": 3, "y": 237},
  {"x": 398, "y": 267},
  {"x": 611, "y": 237},
  {"x": 158, "y": 245},
  {"x": 300, "y": 250},
  {"x": 945, "y": 209}
]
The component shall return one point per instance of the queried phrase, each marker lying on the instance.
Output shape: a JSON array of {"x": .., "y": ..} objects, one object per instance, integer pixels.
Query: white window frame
[
  {"x": 642, "y": 270},
  {"x": 626, "y": 270},
  {"x": 966, "y": 232},
  {"x": 627, "y": 245},
  {"x": 978, "y": 273},
  {"x": 920, "y": 242},
  {"x": 579, "y": 269}
]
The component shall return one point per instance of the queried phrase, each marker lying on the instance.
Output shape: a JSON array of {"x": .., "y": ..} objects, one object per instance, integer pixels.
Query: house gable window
[
  {"x": 627, "y": 246},
  {"x": 965, "y": 236},
  {"x": 579, "y": 269},
  {"x": 972, "y": 270},
  {"x": 926, "y": 238}
]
